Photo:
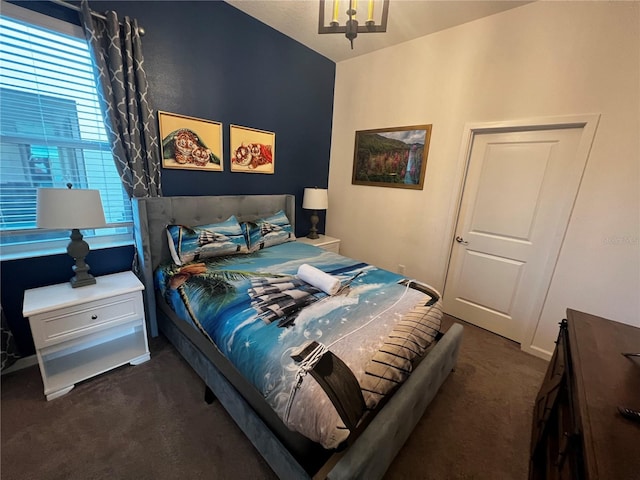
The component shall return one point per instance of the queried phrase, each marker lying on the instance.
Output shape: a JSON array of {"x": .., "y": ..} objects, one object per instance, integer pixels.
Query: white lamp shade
[
  {"x": 68, "y": 208},
  {"x": 315, "y": 199}
]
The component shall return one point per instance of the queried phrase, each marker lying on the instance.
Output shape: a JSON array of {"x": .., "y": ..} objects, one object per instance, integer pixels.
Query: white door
[{"x": 518, "y": 195}]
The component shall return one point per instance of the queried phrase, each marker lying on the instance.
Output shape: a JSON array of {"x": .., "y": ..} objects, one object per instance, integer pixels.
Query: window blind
[{"x": 51, "y": 133}]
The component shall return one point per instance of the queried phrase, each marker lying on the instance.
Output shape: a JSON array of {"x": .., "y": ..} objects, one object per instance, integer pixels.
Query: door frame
[{"x": 589, "y": 124}]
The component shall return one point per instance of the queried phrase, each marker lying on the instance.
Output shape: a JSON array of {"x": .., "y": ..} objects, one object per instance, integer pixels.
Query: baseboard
[
  {"x": 21, "y": 363},
  {"x": 537, "y": 352}
]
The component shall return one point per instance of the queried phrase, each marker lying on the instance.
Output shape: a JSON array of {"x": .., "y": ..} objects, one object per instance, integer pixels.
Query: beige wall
[{"x": 539, "y": 60}]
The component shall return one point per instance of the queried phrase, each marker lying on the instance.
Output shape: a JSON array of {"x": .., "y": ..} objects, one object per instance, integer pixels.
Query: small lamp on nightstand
[
  {"x": 315, "y": 199},
  {"x": 67, "y": 208}
]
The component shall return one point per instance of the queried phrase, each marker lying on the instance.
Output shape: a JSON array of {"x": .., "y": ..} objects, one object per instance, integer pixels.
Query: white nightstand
[
  {"x": 327, "y": 243},
  {"x": 82, "y": 332}
]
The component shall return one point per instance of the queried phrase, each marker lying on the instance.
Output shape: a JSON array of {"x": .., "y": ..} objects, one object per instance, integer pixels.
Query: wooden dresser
[{"x": 577, "y": 431}]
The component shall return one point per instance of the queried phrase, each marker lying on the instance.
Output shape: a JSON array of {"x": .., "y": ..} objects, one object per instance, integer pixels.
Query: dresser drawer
[{"x": 65, "y": 324}]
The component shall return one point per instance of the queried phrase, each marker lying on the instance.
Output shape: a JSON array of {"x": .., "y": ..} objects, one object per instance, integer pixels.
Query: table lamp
[
  {"x": 68, "y": 208},
  {"x": 315, "y": 199}
]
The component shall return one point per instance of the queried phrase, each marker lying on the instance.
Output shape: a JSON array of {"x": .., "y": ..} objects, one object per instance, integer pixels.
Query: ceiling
[{"x": 408, "y": 19}]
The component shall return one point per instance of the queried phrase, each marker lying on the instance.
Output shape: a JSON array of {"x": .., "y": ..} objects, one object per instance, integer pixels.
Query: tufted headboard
[{"x": 152, "y": 215}]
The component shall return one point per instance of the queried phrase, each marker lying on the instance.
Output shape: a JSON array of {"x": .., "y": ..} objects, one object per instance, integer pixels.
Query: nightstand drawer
[
  {"x": 332, "y": 247},
  {"x": 67, "y": 323},
  {"x": 330, "y": 244}
]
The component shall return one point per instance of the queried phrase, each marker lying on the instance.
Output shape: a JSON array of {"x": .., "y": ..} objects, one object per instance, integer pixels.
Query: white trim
[
  {"x": 52, "y": 23},
  {"x": 589, "y": 124},
  {"x": 36, "y": 249},
  {"x": 538, "y": 352}
]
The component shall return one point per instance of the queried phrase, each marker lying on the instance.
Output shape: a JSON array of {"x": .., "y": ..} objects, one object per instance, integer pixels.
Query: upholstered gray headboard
[{"x": 152, "y": 215}]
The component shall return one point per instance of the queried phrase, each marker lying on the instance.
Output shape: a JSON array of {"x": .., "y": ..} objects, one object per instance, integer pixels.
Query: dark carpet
[{"x": 151, "y": 422}]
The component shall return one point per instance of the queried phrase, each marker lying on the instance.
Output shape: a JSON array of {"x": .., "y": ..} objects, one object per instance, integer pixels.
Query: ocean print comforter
[{"x": 257, "y": 312}]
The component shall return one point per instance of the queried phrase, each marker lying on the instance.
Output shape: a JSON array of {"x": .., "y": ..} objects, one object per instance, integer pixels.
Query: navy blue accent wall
[{"x": 209, "y": 60}]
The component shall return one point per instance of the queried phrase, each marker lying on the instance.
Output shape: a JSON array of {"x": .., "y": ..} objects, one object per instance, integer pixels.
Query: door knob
[{"x": 461, "y": 240}]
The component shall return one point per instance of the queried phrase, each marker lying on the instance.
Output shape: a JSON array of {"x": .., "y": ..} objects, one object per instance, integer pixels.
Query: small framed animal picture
[
  {"x": 190, "y": 143},
  {"x": 252, "y": 151}
]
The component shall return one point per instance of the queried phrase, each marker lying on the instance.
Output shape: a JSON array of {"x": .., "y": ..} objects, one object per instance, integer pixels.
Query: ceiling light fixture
[{"x": 343, "y": 15}]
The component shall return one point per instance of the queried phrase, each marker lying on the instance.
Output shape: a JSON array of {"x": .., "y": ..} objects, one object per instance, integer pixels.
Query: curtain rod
[{"x": 95, "y": 14}]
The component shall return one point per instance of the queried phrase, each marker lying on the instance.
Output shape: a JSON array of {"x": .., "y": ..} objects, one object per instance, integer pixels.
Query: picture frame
[
  {"x": 251, "y": 150},
  {"x": 190, "y": 143},
  {"x": 391, "y": 157}
]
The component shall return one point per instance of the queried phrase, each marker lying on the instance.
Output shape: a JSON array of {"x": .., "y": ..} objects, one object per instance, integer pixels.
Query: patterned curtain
[
  {"x": 9, "y": 350},
  {"x": 130, "y": 123}
]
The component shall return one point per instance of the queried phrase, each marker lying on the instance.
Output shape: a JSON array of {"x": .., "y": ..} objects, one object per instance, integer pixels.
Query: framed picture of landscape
[{"x": 391, "y": 157}]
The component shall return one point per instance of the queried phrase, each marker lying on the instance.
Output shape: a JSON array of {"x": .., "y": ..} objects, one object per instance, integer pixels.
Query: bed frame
[{"x": 289, "y": 454}]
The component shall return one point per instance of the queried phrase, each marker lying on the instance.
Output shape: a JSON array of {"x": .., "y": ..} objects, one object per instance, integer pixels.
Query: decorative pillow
[
  {"x": 196, "y": 243},
  {"x": 267, "y": 232}
]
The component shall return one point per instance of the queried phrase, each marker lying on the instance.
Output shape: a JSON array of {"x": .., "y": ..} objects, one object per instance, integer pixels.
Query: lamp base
[
  {"x": 82, "y": 280},
  {"x": 313, "y": 233},
  {"x": 78, "y": 249}
]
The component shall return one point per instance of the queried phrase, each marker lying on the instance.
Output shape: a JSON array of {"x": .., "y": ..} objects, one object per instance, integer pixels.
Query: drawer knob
[{"x": 94, "y": 316}]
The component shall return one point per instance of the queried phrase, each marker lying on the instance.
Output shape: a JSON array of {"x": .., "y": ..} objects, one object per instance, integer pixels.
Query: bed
[{"x": 372, "y": 440}]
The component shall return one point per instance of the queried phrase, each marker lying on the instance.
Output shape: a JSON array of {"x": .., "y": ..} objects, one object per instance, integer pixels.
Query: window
[{"x": 51, "y": 133}]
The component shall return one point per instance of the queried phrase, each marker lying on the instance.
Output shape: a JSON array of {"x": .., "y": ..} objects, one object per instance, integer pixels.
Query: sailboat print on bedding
[{"x": 257, "y": 312}]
